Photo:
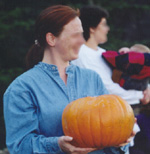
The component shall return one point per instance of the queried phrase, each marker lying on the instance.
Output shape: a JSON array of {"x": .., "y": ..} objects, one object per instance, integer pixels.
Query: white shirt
[{"x": 92, "y": 59}]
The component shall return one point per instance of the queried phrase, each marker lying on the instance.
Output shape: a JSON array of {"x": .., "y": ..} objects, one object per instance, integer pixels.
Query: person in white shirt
[{"x": 94, "y": 22}]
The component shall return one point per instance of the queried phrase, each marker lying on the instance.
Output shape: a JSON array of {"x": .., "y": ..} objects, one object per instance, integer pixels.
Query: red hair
[{"x": 52, "y": 19}]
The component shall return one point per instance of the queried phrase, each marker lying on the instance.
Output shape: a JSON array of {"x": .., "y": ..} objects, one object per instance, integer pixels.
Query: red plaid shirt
[{"x": 135, "y": 65}]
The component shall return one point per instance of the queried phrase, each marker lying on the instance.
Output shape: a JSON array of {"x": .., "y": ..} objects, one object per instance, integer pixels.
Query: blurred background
[{"x": 129, "y": 23}]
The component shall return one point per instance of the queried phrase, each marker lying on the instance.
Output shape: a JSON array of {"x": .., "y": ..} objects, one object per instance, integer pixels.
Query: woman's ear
[
  {"x": 92, "y": 30},
  {"x": 50, "y": 39}
]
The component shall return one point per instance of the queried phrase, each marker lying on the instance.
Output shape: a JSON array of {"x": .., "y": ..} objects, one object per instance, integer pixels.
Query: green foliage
[
  {"x": 16, "y": 30},
  {"x": 14, "y": 19},
  {"x": 6, "y": 76}
]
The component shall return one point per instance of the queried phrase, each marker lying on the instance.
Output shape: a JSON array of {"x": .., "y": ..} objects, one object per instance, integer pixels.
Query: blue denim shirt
[{"x": 34, "y": 102}]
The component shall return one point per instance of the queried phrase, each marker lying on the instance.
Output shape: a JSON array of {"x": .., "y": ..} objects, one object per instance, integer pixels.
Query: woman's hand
[
  {"x": 146, "y": 99},
  {"x": 64, "y": 143},
  {"x": 129, "y": 139}
]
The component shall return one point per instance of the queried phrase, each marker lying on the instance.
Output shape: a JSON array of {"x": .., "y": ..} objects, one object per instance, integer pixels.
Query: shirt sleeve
[
  {"x": 101, "y": 89},
  {"x": 22, "y": 127}
]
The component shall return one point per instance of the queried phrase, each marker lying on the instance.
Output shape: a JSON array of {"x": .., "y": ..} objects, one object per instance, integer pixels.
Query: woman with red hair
[{"x": 34, "y": 102}]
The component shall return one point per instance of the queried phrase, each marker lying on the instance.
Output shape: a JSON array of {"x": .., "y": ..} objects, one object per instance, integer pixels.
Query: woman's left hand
[{"x": 129, "y": 139}]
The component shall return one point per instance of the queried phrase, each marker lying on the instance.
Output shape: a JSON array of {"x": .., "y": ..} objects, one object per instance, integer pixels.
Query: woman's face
[
  {"x": 101, "y": 31},
  {"x": 70, "y": 40}
]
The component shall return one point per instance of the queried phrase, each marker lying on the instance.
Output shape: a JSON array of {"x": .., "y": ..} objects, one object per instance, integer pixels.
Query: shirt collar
[{"x": 54, "y": 68}]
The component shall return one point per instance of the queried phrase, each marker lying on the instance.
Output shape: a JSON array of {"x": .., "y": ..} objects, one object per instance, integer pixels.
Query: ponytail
[{"x": 34, "y": 55}]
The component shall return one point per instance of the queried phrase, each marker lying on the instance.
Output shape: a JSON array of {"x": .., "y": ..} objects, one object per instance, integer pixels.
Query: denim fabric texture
[{"x": 34, "y": 102}]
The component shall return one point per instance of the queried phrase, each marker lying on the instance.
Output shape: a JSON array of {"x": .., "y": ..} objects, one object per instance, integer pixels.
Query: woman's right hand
[{"x": 64, "y": 143}]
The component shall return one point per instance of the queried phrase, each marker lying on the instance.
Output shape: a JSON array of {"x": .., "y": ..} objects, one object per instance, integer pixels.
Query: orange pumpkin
[{"x": 98, "y": 122}]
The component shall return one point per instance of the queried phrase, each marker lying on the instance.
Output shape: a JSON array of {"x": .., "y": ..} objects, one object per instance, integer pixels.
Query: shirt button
[{"x": 53, "y": 68}]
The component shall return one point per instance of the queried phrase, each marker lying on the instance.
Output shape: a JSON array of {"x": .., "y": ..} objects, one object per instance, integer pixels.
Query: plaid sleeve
[{"x": 137, "y": 65}]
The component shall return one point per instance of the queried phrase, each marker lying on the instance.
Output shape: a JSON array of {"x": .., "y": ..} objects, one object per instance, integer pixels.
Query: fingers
[
  {"x": 135, "y": 119},
  {"x": 76, "y": 150},
  {"x": 131, "y": 136},
  {"x": 64, "y": 143},
  {"x": 82, "y": 150},
  {"x": 145, "y": 101},
  {"x": 67, "y": 138},
  {"x": 123, "y": 144},
  {"x": 128, "y": 140}
]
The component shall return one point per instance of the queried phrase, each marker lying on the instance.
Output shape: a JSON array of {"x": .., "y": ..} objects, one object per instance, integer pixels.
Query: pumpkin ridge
[
  {"x": 101, "y": 126},
  {"x": 68, "y": 123},
  {"x": 127, "y": 121},
  {"x": 124, "y": 113},
  {"x": 123, "y": 108},
  {"x": 65, "y": 122},
  {"x": 112, "y": 126},
  {"x": 117, "y": 110},
  {"x": 127, "y": 109},
  {"x": 91, "y": 130},
  {"x": 120, "y": 109},
  {"x": 104, "y": 138},
  {"x": 108, "y": 106},
  {"x": 108, "y": 130},
  {"x": 80, "y": 131},
  {"x": 76, "y": 121},
  {"x": 88, "y": 110},
  {"x": 95, "y": 125}
]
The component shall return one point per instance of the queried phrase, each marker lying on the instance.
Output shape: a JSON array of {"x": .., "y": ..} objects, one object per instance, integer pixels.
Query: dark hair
[
  {"x": 90, "y": 17},
  {"x": 52, "y": 19}
]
